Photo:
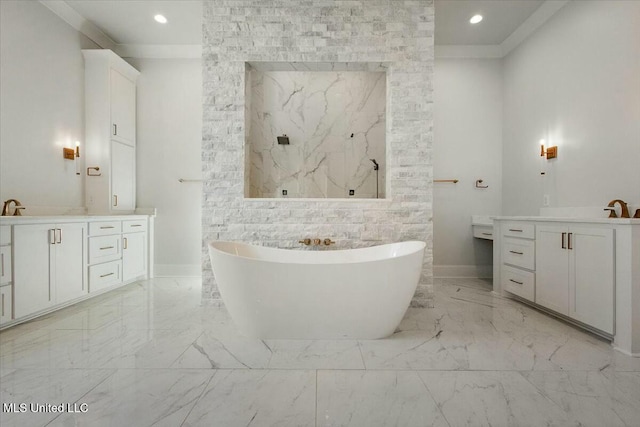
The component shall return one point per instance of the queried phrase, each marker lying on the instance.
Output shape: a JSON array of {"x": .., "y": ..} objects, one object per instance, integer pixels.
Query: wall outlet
[
  {"x": 352, "y": 192},
  {"x": 284, "y": 192},
  {"x": 545, "y": 200}
]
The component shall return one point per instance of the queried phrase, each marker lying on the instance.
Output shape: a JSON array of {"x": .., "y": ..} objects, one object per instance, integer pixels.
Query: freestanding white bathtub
[{"x": 323, "y": 294}]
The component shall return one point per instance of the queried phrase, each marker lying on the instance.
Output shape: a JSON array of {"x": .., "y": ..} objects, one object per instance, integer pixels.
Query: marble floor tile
[
  {"x": 590, "y": 398},
  {"x": 415, "y": 350},
  {"x": 475, "y": 358},
  {"x": 258, "y": 398},
  {"x": 375, "y": 398},
  {"x": 224, "y": 351},
  {"x": 140, "y": 397},
  {"x": 45, "y": 386},
  {"x": 320, "y": 354},
  {"x": 491, "y": 399}
]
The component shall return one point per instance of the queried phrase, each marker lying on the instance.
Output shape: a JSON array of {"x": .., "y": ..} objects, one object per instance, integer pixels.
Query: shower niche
[{"x": 315, "y": 130}]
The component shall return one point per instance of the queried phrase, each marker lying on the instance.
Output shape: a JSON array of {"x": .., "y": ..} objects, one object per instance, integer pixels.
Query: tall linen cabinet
[{"x": 110, "y": 139}]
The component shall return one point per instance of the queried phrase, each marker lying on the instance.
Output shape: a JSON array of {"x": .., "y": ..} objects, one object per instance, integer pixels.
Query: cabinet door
[
  {"x": 591, "y": 277},
  {"x": 70, "y": 258},
  {"x": 6, "y": 304},
  {"x": 122, "y": 177},
  {"x": 134, "y": 250},
  {"x": 552, "y": 273},
  {"x": 123, "y": 108},
  {"x": 5, "y": 265},
  {"x": 34, "y": 256}
]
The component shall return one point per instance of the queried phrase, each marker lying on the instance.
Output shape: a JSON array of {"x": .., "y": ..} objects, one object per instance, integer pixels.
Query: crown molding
[
  {"x": 493, "y": 51},
  {"x": 531, "y": 25},
  {"x": 159, "y": 50},
  {"x": 527, "y": 28},
  {"x": 77, "y": 21}
]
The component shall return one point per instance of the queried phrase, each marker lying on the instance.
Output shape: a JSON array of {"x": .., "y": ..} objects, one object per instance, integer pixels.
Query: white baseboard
[
  {"x": 178, "y": 270},
  {"x": 476, "y": 271}
]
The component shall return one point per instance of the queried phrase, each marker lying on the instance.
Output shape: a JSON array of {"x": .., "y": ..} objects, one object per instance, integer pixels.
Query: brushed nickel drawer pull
[
  {"x": 515, "y": 229},
  {"x": 515, "y": 281},
  {"x": 569, "y": 246},
  {"x": 106, "y": 247},
  {"x": 108, "y": 226},
  {"x": 125, "y": 243},
  {"x": 105, "y": 275},
  {"x": 2, "y": 256},
  {"x": 563, "y": 236},
  {"x": 2, "y": 305},
  {"x": 517, "y": 253},
  {"x": 487, "y": 234},
  {"x": 136, "y": 225}
]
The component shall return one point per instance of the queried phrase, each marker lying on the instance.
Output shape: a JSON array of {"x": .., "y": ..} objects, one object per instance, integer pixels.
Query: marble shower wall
[
  {"x": 335, "y": 122},
  {"x": 396, "y": 33}
]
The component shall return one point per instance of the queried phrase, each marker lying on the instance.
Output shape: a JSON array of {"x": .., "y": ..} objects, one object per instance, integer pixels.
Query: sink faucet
[
  {"x": 18, "y": 206},
  {"x": 612, "y": 211}
]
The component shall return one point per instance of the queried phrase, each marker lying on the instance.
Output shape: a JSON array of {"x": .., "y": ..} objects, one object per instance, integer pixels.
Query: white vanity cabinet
[
  {"x": 575, "y": 272},
  {"x": 49, "y": 264},
  {"x": 110, "y": 132},
  {"x": 59, "y": 261},
  {"x": 578, "y": 268},
  {"x": 6, "y": 275},
  {"x": 134, "y": 249}
]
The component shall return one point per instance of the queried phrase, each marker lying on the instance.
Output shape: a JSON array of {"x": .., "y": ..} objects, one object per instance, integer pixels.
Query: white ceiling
[
  {"x": 501, "y": 19},
  {"x": 131, "y": 23}
]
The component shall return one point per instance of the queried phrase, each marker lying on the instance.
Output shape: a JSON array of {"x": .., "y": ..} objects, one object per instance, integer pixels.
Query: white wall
[
  {"x": 467, "y": 146},
  {"x": 169, "y": 136},
  {"x": 41, "y": 105},
  {"x": 576, "y": 82}
]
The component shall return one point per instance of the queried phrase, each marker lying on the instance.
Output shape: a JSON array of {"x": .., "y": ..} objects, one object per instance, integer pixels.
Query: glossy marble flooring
[{"x": 151, "y": 354}]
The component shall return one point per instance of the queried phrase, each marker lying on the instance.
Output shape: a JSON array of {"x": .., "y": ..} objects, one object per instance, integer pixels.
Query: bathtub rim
[{"x": 416, "y": 244}]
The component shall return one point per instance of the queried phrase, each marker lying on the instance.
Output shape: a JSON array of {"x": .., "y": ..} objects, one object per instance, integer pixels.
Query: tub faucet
[
  {"x": 17, "y": 208},
  {"x": 612, "y": 211}
]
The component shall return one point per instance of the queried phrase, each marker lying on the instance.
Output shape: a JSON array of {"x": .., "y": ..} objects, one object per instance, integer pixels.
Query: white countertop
[
  {"x": 483, "y": 220},
  {"x": 47, "y": 219},
  {"x": 622, "y": 221}
]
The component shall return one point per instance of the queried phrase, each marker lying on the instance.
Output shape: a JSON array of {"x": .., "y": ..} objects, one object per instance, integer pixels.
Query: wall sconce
[
  {"x": 550, "y": 152},
  {"x": 71, "y": 154}
]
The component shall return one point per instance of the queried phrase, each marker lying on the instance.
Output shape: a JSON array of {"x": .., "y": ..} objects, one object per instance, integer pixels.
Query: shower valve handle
[
  {"x": 306, "y": 242},
  {"x": 328, "y": 242}
]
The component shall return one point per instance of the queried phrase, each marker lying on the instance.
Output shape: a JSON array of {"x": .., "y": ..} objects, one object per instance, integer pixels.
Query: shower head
[{"x": 376, "y": 166}]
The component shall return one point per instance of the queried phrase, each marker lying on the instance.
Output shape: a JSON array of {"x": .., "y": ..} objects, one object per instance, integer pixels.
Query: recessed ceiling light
[
  {"x": 475, "y": 19},
  {"x": 161, "y": 19}
]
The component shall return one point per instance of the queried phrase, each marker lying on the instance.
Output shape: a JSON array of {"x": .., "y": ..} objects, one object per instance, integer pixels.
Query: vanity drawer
[
  {"x": 5, "y": 264},
  {"x": 134, "y": 226},
  {"x": 519, "y": 229},
  {"x": 5, "y": 235},
  {"x": 518, "y": 282},
  {"x": 104, "y": 248},
  {"x": 102, "y": 228},
  {"x": 105, "y": 275},
  {"x": 483, "y": 232},
  {"x": 519, "y": 252}
]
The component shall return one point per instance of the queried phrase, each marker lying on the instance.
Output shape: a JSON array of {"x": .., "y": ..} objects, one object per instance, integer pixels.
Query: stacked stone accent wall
[{"x": 398, "y": 33}]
